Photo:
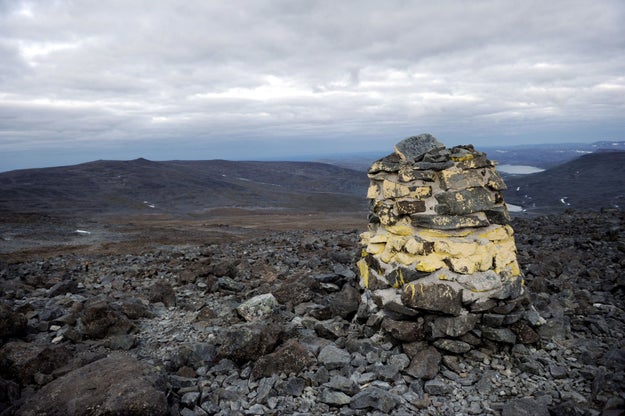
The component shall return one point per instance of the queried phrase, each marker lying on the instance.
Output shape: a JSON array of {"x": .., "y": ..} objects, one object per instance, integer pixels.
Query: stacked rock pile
[{"x": 439, "y": 258}]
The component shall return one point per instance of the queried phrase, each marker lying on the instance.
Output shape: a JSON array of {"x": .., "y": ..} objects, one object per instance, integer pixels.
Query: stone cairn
[{"x": 439, "y": 258}]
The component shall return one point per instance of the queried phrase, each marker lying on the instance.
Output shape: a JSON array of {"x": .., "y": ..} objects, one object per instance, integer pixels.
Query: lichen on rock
[{"x": 439, "y": 238}]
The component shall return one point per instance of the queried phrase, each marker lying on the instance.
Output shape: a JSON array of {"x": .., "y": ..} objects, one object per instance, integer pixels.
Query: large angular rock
[
  {"x": 374, "y": 398},
  {"x": 449, "y": 222},
  {"x": 410, "y": 206},
  {"x": 414, "y": 148},
  {"x": 162, "y": 291},
  {"x": 116, "y": 385},
  {"x": 344, "y": 303},
  {"x": 453, "y": 326},
  {"x": 99, "y": 319},
  {"x": 11, "y": 322},
  {"x": 524, "y": 407},
  {"x": 390, "y": 164},
  {"x": 291, "y": 357},
  {"x": 464, "y": 202},
  {"x": 425, "y": 364},
  {"x": 333, "y": 357},
  {"x": 436, "y": 297},
  {"x": 22, "y": 360},
  {"x": 258, "y": 307},
  {"x": 249, "y": 341},
  {"x": 406, "y": 331}
]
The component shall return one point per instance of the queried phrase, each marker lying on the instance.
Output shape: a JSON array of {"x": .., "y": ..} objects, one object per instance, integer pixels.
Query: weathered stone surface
[
  {"x": 408, "y": 173},
  {"x": 452, "y": 345},
  {"x": 138, "y": 389},
  {"x": 374, "y": 398},
  {"x": 504, "y": 335},
  {"x": 390, "y": 163},
  {"x": 98, "y": 319},
  {"x": 438, "y": 297},
  {"x": 453, "y": 326},
  {"x": 335, "y": 398},
  {"x": 425, "y": 363},
  {"x": 333, "y": 357},
  {"x": 437, "y": 387},
  {"x": 291, "y": 357},
  {"x": 410, "y": 206},
  {"x": 449, "y": 222},
  {"x": 345, "y": 302},
  {"x": 249, "y": 341},
  {"x": 498, "y": 215},
  {"x": 134, "y": 308},
  {"x": 525, "y": 334},
  {"x": 394, "y": 190},
  {"x": 480, "y": 282},
  {"x": 456, "y": 179},
  {"x": 296, "y": 290},
  {"x": 258, "y": 307},
  {"x": 413, "y": 148},
  {"x": 162, "y": 291},
  {"x": 11, "y": 323},
  {"x": 344, "y": 384},
  {"x": 21, "y": 360},
  {"x": 464, "y": 202},
  {"x": 406, "y": 331},
  {"x": 524, "y": 407},
  {"x": 495, "y": 181}
]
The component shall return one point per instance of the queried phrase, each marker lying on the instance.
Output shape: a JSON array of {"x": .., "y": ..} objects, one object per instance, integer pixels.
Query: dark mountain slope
[
  {"x": 591, "y": 181},
  {"x": 186, "y": 186}
]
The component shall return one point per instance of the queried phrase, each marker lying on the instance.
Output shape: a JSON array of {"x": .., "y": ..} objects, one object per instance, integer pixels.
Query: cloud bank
[{"x": 245, "y": 79}]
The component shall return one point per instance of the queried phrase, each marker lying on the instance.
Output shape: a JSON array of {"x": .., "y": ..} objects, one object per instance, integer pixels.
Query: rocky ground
[{"x": 271, "y": 323}]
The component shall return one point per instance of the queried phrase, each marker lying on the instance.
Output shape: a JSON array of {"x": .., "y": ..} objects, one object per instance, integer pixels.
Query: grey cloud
[{"x": 87, "y": 72}]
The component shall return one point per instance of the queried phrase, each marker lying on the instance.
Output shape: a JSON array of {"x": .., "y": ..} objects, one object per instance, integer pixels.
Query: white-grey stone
[{"x": 257, "y": 308}]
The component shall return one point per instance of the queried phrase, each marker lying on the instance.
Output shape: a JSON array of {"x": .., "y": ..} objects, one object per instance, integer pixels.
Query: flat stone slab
[
  {"x": 437, "y": 297},
  {"x": 413, "y": 148}
]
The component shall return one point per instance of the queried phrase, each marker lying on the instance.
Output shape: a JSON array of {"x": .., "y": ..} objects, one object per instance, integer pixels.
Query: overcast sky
[{"x": 198, "y": 79}]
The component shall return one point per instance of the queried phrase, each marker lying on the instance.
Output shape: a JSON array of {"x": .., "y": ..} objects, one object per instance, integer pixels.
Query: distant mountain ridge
[
  {"x": 540, "y": 155},
  {"x": 182, "y": 186},
  {"x": 592, "y": 181}
]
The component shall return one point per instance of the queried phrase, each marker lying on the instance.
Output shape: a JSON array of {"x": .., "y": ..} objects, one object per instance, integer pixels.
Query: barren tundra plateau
[{"x": 187, "y": 308}]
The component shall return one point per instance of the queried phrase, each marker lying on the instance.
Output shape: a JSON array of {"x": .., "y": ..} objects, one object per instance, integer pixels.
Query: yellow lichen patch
[
  {"x": 373, "y": 191},
  {"x": 494, "y": 233},
  {"x": 505, "y": 251},
  {"x": 413, "y": 246},
  {"x": 463, "y": 158},
  {"x": 429, "y": 264},
  {"x": 379, "y": 238},
  {"x": 364, "y": 271},
  {"x": 484, "y": 257},
  {"x": 393, "y": 190},
  {"x": 456, "y": 248},
  {"x": 399, "y": 281},
  {"x": 463, "y": 265},
  {"x": 406, "y": 259},
  {"x": 375, "y": 248},
  {"x": 397, "y": 242},
  {"x": 400, "y": 229},
  {"x": 366, "y": 236},
  {"x": 387, "y": 255},
  {"x": 410, "y": 288},
  {"x": 512, "y": 268},
  {"x": 430, "y": 234}
]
